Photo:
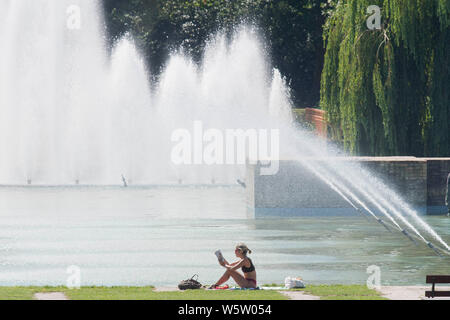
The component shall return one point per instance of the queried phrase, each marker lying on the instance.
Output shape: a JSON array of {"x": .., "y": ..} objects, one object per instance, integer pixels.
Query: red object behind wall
[{"x": 317, "y": 118}]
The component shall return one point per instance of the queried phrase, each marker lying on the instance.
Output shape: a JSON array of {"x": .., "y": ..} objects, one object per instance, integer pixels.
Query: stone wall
[
  {"x": 438, "y": 170},
  {"x": 407, "y": 176},
  {"x": 295, "y": 190}
]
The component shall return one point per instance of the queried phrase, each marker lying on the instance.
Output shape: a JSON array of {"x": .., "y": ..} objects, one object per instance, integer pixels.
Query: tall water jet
[
  {"x": 280, "y": 106},
  {"x": 52, "y": 92},
  {"x": 130, "y": 115},
  {"x": 69, "y": 113},
  {"x": 72, "y": 114}
]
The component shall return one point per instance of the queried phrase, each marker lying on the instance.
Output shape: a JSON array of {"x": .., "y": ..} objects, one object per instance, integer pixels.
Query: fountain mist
[{"x": 69, "y": 113}]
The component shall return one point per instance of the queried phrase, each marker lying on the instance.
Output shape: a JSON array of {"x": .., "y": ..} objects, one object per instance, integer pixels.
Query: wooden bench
[{"x": 434, "y": 280}]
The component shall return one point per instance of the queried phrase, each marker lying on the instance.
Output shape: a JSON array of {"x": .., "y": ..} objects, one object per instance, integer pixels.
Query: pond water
[{"x": 161, "y": 235}]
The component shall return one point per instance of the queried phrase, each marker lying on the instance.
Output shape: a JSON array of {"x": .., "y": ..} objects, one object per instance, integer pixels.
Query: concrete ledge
[
  {"x": 304, "y": 212},
  {"x": 315, "y": 212},
  {"x": 296, "y": 191}
]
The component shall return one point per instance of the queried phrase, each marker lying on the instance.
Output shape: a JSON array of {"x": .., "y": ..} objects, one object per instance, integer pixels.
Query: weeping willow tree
[{"x": 387, "y": 91}]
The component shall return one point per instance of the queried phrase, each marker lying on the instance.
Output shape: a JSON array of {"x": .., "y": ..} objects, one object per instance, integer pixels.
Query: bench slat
[
  {"x": 429, "y": 294},
  {"x": 438, "y": 279}
]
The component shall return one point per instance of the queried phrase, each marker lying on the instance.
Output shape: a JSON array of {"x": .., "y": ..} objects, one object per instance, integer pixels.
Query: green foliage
[
  {"x": 388, "y": 89},
  {"x": 292, "y": 30},
  {"x": 386, "y": 92}
]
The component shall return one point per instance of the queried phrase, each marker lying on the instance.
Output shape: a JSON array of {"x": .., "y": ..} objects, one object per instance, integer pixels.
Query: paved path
[
  {"x": 298, "y": 295},
  {"x": 50, "y": 296},
  {"x": 409, "y": 292}
]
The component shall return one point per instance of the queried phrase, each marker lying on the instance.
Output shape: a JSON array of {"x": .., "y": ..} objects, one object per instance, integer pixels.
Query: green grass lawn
[
  {"x": 17, "y": 293},
  {"x": 145, "y": 293},
  {"x": 343, "y": 292},
  {"x": 25, "y": 293},
  {"x": 137, "y": 293},
  {"x": 325, "y": 292},
  {"x": 338, "y": 292}
]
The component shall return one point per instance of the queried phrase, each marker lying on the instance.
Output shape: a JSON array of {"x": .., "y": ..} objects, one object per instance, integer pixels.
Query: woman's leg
[
  {"x": 224, "y": 278},
  {"x": 240, "y": 280}
]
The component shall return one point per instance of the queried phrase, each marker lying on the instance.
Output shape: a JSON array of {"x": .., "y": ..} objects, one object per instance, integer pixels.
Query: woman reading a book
[{"x": 248, "y": 279}]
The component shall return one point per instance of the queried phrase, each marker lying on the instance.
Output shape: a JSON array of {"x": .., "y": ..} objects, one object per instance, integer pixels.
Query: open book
[{"x": 219, "y": 255}]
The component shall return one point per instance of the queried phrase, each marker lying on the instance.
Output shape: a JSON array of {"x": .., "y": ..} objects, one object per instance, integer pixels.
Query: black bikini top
[{"x": 250, "y": 269}]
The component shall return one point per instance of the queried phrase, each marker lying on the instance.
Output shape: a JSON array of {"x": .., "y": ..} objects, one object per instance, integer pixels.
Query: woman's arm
[
  {"x": 224, "y": 263},
  {"x": 236, "y": 265}
]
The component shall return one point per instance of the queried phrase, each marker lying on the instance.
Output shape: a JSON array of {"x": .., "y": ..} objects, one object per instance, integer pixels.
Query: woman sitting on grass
[{"x": 248, "y": 280}]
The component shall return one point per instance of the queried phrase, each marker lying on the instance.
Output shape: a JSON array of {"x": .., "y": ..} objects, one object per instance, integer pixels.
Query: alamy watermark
[
  {"x": 374, "y": 20},
  {"x": 74, "y": 278},
  {"x": 227, "y": 147},
  {"x": 73, "y": 17},
  {"x": 374, "y": 279}
]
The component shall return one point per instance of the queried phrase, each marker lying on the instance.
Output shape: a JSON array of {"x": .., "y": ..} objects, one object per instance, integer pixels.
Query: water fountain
[
  {"x": 72, "y": 115},
  {"x": 69, "y": 113}
]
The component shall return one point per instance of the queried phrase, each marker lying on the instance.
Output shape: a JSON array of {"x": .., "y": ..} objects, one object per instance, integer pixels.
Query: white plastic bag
[{"x": 291, "y": 283}]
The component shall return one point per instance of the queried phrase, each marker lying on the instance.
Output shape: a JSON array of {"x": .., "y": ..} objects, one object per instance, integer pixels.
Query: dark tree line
[
  {"x": 292, "y": 30},
  {"x": 386, "y": 91}
]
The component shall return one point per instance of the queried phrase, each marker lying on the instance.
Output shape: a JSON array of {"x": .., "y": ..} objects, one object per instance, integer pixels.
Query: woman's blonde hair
[{"x": 243, "y": 248}]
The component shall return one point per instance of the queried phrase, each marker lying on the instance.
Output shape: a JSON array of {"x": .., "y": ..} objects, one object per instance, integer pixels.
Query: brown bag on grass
[{"x": 190, "y": 283}]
